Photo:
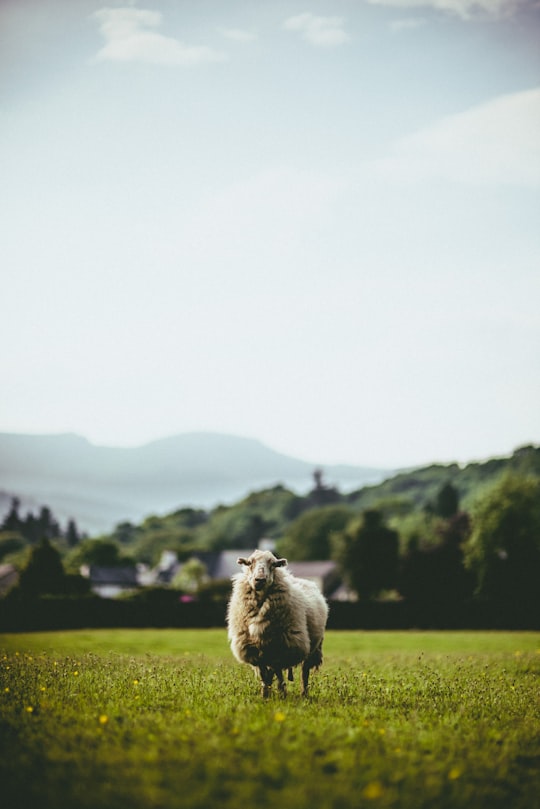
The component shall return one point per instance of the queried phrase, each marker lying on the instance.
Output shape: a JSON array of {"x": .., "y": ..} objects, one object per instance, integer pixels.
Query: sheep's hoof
[{"x": 266, "y": 689}]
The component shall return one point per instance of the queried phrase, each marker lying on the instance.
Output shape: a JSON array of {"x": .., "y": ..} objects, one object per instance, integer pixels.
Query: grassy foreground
[{"x": 168, "y": 719}]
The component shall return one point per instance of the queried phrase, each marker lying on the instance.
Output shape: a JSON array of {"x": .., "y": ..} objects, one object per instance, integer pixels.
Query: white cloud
[
  {"x": 495, "y": 143},
  {"x": 466, "y": 9},
  {"x": 130, "y": 37},
  {"x": 323, "y": 32}
]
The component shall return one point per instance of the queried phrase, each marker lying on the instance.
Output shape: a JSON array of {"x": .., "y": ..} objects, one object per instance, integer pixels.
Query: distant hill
[
  {"x": 101, "y": 486},
  {"x": 419, "y": 487}
]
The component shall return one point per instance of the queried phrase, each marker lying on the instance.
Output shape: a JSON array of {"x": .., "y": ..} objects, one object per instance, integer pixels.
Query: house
[
  {"x": 165, "y": 571},
  {"x": 222, "y": 565},
  {"x": 219, "y": 565},
  {"x": 110, "y": 582},
  {"x": 324, "y": 574}
]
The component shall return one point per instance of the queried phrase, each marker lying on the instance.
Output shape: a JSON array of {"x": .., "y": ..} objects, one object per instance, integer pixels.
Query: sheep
[{"x": 275, "y": 620}]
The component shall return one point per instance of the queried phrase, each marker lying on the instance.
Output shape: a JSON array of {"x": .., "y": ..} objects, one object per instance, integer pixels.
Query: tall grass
[{"x": 168, "y": 719}]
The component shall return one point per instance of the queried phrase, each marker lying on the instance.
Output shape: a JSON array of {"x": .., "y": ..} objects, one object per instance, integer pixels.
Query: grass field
[{"x": 168, "y": 719}]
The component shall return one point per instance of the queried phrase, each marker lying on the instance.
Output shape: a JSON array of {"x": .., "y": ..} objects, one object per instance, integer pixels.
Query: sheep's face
[{"x": 259, "y": 569}]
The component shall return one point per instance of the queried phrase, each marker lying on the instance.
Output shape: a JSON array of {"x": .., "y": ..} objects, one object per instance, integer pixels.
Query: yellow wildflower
[
  {"x": 454, "y": 773},
  {"x": 279, "y": 716},
  {"x": 103, "y": 719},
  {"x": 373, "y": 790}
]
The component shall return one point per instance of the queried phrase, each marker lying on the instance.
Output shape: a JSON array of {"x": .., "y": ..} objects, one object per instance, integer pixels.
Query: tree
[
  {"x": 125, "y": 533},
  {"x": 447, "y": 502},
  {"x": 45, "y": 526},
  {"x": 72, "y": 534},
  {"x": 504, "y": 548},
  {"x": 10, "y": 542},
  {"x": 238, "y": 527},
  {"x": 100, "y": 552},
  {"x": 44, "y": 572},
  {"x": 369, "y": 555},
  {"x": 12, "y": 521},
  {"x": 310, "y": 536},
  {"x": 191, "y": 576},
  {"x": 321, "y": 494},
  {"x": 433, "y": 578},
  {"x": 31, "y": 529}
]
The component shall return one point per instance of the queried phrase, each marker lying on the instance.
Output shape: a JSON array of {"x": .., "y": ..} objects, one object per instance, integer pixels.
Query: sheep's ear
[
  {"x": 242, "y": 561},
  {"x": 280, "y": 563}
]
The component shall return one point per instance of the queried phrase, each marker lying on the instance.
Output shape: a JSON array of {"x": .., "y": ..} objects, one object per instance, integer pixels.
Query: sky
[{"x": 310, "y": 222}]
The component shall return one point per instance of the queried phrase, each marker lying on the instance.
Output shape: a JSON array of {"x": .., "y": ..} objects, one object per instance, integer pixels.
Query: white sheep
[{"x": 275, "y": 620}]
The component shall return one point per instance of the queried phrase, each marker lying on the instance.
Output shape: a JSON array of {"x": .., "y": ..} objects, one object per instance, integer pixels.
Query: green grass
[{"x": 168, "y": 719}]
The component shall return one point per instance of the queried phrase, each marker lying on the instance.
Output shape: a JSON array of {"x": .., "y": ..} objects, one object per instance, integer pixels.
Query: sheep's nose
[{"x": 259, "y": 583}]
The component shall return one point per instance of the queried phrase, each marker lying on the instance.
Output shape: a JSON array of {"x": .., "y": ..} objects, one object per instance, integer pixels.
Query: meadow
[{"x": 167, "y": 718}]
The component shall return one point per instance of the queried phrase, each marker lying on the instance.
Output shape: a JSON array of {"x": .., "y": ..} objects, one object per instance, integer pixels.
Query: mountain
[{"x": 101, "y": 486}]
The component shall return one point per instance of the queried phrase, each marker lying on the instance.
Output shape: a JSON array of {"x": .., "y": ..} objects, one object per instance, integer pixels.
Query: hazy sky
[{"x": 312, "y": 223}]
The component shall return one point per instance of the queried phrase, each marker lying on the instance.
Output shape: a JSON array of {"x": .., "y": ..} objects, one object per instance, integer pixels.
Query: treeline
[
  {"x": 436, "y": 538},
  {"x": 19, "y": 531}
]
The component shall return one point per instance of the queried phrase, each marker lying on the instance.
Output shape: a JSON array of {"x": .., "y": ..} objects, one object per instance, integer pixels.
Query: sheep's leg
[
  {"x": 290, "y": 675},
  {"x": 267, "y": 675},
  {"x": 281, "y": 683},
  {"x": 312, "y": 662},
  {"x": 305, "y": 677}
]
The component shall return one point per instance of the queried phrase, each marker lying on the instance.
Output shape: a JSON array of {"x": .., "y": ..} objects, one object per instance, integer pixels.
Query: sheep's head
[{"x": 259, "y": 569}]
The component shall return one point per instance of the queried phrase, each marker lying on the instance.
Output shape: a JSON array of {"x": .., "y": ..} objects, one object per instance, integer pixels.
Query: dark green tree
[
  {"x": 125, "y": 533},
  {"x": 447, "y": 502},
  {"x": 369, "y": 555},
  {"x": 72, "y": 534},
  {"x": 100, "y": 552},
  {"x": 44, "y": 572},
  {"x": 310, "y": 536},
  {"x": 237, "y": 527},
  {"x": 48, "y": 526},
  {"x": 31, "y": 529},
  {"x": 504, "y": 547},
  {"x": 433, "y": 578},
  {"x": 10, "y": 542},
  {"x": 12, "y": 520}
]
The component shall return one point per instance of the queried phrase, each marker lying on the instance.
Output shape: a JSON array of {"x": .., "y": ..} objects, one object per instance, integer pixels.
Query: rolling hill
[{"x": 101, "y": 486}]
